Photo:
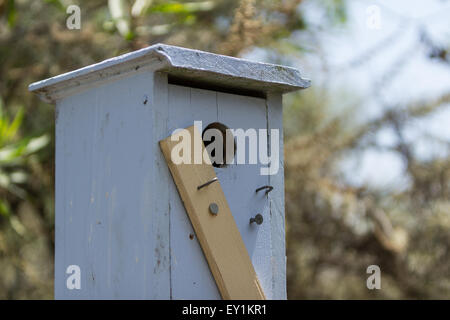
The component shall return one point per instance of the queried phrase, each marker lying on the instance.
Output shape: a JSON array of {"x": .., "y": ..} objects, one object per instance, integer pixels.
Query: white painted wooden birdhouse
[{"x": 133, "y": 224}]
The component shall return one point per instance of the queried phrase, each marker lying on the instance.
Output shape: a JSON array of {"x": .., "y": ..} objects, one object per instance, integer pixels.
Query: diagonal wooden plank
[{"x": 218, "y": 234}]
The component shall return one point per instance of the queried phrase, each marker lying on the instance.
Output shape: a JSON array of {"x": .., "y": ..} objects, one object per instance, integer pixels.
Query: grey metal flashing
[{"x": 200, "y": 66}]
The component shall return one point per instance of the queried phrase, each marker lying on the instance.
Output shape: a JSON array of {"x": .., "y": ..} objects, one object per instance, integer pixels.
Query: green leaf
[
  {"x": 13, "y": 153},
  {"x": 36, "y": 144},
  {"x": 4, "y": 208},
  {"x": 11, "y": 13},
  {"x": 14, "y": 127},
  {"x": 184, "y": 8}
]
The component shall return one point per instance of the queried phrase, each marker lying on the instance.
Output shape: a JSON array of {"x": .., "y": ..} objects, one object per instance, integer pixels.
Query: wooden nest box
[{"x": 130, "y": 223}]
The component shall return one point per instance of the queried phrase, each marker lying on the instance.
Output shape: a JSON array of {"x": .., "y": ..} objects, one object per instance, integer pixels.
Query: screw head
[{"x": 214, "y": 208}]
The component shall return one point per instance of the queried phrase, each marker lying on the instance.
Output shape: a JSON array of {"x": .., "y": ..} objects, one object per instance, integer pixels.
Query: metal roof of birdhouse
[{"x": 186, "y": 64}]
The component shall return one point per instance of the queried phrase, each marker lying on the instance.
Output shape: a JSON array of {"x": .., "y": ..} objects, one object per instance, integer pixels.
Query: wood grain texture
[
  {"x": 191, "y": 277},
  {"x": 110, "y": 221},
  {"x": 239, "y": 182},
  {"x": 276, "y": 201},
  {"x": 218, "y": 235}
]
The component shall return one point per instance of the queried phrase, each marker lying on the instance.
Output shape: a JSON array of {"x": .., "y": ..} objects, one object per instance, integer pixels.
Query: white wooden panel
[
  {"x": 276, "y": 198},
  {"x": 111, "y": 217},
  {"x": 190, "y": 274},
  {"x": 239, "y": 182},
  {"x": 118, "y": 214}
]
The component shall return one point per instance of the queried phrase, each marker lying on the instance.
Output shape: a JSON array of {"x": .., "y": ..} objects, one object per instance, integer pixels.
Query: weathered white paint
[
  {"x": 118, "y": 213},
  {"x": 191, "y": 64},
  {"x": 241, "y": 180},
  {"x": 276, "y": 199},
  {"x": 111, "y": 207},
  {"x": 190, "y": 273}
]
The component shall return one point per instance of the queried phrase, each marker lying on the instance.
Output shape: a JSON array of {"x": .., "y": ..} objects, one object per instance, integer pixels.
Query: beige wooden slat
[{"x": 218, "y": 234}]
